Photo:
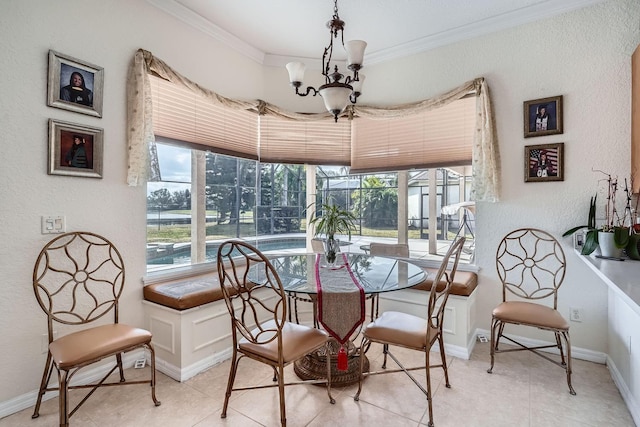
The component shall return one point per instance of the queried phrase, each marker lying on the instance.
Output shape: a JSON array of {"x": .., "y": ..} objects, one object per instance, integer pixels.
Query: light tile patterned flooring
[{"x": 524, "y": 390}]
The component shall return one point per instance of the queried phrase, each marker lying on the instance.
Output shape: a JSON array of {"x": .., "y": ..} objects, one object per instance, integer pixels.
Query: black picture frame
[
  {"x": 85, "y": 97},
  {"x": 543, "y": 117}
]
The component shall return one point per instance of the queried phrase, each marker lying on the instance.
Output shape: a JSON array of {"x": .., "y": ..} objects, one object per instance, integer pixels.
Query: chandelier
[{"x": 335, "y": 93}]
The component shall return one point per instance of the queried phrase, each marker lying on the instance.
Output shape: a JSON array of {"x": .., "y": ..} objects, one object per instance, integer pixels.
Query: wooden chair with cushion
[
  {"x": 416, "y": 333},
  {"x": 78, "y": 279},
  {"x": 399, "y": 250},
  {"x": 531, "y": 267},
  {"x": 257, "y": 304}
]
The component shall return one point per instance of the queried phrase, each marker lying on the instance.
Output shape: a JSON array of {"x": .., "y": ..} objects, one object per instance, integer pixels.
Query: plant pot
[
  {"x": 633, "y": 247},
  {"x": 607, "y": 244}
]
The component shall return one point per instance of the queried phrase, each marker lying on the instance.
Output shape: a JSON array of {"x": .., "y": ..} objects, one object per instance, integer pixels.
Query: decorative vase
[
  {"x": 607, "y": 244},
  {"x": 331, "y": 249}
]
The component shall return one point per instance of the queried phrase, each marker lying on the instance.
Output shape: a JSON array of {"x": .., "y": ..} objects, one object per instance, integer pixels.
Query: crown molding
[
  {"x": 494, "y": 24},
  {"x": 505, "y": 21},
  {"x": 199, "y": 23}
]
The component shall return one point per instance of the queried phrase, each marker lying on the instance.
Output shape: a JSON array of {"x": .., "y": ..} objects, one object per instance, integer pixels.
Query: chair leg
[
  {"x": 152, "y": 356},
  {"x": 314, "y": 302},
  {"x": 375, "y": 306},
  {"x": 494, "y": 344},
  {"x": 120, "y": 368},
  {"x": 232, "y": 378},
  {"x": 428, "y": 373},
  {"x": 567, "y": 342},
  {"x": 559, "y": 345},
  {"x": 385, "y": 350},
  {"x": 443, "y": 357},
  {"x": 364, "y": 343},
  {"x": 46, "y": 376},
  {"x": 283, "y": 411},
  {"x": 328, "y": 363},
  {"x": 63, "y": 398}
]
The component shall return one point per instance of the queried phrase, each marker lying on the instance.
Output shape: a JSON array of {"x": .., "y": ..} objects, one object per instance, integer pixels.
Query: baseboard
[
  {"x": 85, "y": 376},
  {"x": 183, "y": 374},
  {"x": 576, "y": 352},
  {"x": 634, "y": 410}
]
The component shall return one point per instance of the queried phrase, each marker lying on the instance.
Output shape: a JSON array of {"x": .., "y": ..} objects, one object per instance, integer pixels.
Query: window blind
[
  {"x": 319, "y": 142},
  {"x": 430, "y": 139},
  {"x": 180, "y": 114}
]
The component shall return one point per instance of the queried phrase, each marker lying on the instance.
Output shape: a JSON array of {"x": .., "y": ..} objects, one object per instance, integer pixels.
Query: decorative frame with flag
[{"x": 544, "y": 162}]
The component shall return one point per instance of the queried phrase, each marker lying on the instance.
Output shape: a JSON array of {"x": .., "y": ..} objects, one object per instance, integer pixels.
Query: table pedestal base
[{"x": 314, "y": 366}]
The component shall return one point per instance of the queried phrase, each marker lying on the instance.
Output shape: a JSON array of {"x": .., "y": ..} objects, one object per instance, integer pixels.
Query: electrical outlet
[
  {"x": 575, "y": 314},
  {"x": 53, "y": 224}
]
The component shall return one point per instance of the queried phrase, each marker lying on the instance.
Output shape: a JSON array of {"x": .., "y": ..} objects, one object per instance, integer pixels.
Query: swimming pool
[{"x": 181, "y": 254}]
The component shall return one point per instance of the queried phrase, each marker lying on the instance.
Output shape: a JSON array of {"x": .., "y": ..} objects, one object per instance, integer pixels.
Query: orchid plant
[{"x": 614, "y": 222}]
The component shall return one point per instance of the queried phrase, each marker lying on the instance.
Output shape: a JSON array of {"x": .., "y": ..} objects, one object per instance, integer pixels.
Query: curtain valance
[{"x": 140, "y": 132}]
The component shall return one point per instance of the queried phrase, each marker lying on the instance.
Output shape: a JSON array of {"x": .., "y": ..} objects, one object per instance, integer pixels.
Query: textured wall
[
  {"x": 106, "y": 34},
  {"x": 583, "y": 55}
]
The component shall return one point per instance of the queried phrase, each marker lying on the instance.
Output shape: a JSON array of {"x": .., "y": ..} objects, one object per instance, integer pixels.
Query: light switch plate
[{"x": 53, "y": 224}]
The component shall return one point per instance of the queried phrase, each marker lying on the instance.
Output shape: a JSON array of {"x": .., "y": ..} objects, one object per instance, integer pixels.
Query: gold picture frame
[
  {"x": 75, "y": 150},
  {"x": 544, "y": 162},
  {"x": 543, "y": 117}
]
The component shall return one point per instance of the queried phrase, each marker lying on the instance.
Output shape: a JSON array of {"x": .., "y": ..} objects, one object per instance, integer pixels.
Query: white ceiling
[{"x": 273, "y": 32}]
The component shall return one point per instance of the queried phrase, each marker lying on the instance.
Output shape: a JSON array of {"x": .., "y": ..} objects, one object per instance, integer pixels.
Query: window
[{"x": 202, "y": 198}]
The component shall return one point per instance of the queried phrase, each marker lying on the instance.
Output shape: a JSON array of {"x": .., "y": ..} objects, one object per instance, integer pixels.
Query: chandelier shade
[
  {"x": 335, "y": 92},
  {"x": 336, "y": 97},
  {"x": 355, "y": 53}
]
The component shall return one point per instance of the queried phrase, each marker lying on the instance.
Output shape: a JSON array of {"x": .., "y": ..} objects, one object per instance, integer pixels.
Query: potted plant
[
  {"x": 591, "y": 236},
  {"x": 613, "y": 236},
  {"x": 334, "y": 220}
]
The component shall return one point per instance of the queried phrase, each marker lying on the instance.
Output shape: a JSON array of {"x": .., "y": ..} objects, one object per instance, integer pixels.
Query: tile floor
[{"x": 524, "y": 390}]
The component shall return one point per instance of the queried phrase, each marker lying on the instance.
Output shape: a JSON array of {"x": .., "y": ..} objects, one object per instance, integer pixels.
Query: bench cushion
[
  {"x": 185, "y": 294},
  {"x": 463, "y": 285}
]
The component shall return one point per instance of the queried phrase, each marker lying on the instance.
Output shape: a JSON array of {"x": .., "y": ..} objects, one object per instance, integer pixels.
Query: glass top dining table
[{"x": 376, "y": 274}]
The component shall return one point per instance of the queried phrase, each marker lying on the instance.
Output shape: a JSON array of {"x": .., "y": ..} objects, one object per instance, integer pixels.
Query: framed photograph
[
  {"x": 543, "y": 116},
  {"x": 544, "y": 162},
  {"x": 75, "y": 150},
  {"x": 74, "y": 85}
]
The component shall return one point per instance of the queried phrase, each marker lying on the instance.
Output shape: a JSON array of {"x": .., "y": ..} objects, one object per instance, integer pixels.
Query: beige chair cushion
[
  {"x": 400, "y": 329},
  {"x": 185, "y": 294},
  {"x": 464, "y": 283},
  {"x": 95, "y": 343},
  {"x": 297, "y": 340},
  {"x": 532, "y": 314}
]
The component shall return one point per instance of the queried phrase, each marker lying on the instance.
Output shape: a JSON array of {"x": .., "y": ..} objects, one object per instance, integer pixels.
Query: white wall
[
  {"x": 584, "y": 55},
  {"x": 105, "y": 33}
]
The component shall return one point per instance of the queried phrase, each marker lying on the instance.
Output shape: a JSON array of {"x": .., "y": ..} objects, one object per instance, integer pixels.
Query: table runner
[{"x": 341, "y": 308}]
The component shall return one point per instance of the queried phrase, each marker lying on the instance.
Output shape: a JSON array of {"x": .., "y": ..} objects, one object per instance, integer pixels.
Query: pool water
[{"x": 182, "y": 255}]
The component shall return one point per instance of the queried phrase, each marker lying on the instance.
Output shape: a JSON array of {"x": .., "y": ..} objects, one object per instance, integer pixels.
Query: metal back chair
[
  {"x": 531, "y": 266},
  {"x": 416, "y": 333},
  {"x": 400, "y": 250},
  {"x": 78, "y": 279},
  {"x": 257, "y": 305}
]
